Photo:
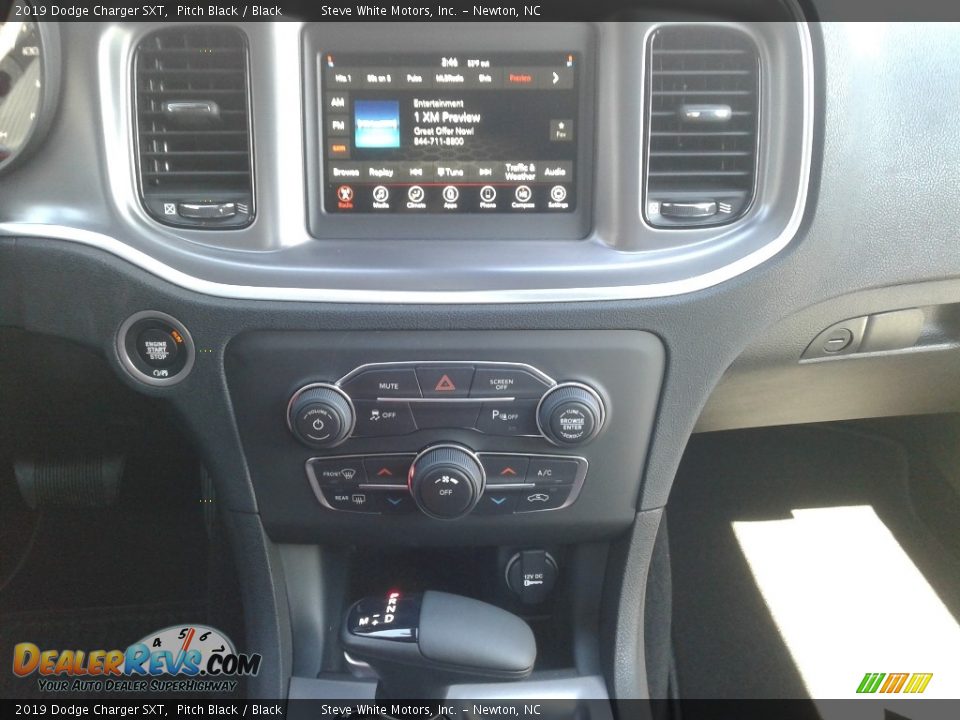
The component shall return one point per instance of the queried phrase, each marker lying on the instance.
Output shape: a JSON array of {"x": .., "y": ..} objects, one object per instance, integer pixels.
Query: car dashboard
[{"x": 536, "y": 256}]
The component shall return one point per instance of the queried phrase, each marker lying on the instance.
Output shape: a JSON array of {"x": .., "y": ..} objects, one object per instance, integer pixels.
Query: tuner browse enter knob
[{"x": 570, "y": 414}]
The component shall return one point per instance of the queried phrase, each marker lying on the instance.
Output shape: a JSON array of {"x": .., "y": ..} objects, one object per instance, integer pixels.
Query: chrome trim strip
[
  {"x": 448, "y": 401},
  {"x": 448, "y": 297},
  {"x": 358, "y": 668}
]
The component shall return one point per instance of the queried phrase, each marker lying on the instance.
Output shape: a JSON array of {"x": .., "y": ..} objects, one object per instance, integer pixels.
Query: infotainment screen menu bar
[{"x": 450, "y": 132}]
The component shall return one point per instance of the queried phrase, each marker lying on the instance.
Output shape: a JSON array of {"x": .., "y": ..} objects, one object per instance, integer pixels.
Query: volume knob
[{"x": 320, "y": 415}]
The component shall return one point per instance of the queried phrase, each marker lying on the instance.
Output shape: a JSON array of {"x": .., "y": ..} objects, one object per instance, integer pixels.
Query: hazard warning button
[{"x": 440, "y": 381}]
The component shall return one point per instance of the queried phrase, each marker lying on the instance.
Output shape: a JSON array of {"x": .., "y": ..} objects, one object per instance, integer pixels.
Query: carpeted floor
[
  {"x": 734, "y": 635},
  {"x": 85, "y": 578}
]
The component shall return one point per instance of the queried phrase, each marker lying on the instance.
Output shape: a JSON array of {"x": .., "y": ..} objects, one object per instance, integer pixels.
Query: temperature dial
[{"x": 446, "y": 481}]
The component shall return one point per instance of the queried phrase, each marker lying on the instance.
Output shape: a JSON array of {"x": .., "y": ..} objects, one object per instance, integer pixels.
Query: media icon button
[{"x": 381, "y": 194}]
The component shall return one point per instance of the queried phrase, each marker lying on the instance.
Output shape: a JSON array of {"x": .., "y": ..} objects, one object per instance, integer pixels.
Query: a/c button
[{"x": 549, "y": 471}]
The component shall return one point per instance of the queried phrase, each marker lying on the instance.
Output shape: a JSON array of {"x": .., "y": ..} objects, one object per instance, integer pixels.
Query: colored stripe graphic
[
  {"x": 894, "y": 683},
  {"x": 918, "y": 683},
  {"x": 870, "y": 682}
]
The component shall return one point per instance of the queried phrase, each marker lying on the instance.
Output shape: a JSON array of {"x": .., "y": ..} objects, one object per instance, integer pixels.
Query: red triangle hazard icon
[
  {"x": 508, "y": 471},
  {"x": 384, "y": 471},
  {"x": 445, "y": 384}
]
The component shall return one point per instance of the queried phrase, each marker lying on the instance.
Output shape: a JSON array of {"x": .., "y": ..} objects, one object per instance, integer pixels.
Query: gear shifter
[{"x": 421, "y": 644}]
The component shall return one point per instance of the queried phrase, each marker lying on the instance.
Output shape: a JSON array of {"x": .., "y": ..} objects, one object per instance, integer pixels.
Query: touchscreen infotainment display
[{"x": 450, "y": 132}]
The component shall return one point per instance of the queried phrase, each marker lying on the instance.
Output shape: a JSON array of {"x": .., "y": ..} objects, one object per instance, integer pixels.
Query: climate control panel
[
  {"x": 447, "y": 481},
  {"x": 394, "y": 399},
  {"x": 445, "y": 437}
]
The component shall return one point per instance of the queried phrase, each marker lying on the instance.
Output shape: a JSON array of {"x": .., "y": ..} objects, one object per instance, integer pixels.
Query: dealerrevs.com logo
[{"x": 180, "y": 658}]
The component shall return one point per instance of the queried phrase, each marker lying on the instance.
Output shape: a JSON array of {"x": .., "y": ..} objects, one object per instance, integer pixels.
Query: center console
[{"x": 495, "y": 465}]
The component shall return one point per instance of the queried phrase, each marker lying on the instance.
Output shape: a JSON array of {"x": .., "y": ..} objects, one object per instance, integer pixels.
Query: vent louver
[
  {"x": 703, "y": 90},
  {"x": 193, "y": 127}
]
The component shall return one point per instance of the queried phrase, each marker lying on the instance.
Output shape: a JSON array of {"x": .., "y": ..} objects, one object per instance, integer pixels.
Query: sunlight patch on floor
[{"x": 848, "y": 600}]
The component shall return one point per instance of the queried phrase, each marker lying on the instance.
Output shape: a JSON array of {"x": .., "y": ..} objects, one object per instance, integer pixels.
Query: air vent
[
  {"x": 703, "y": 90},
  {"x": 193, "y": 127}
]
